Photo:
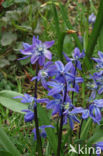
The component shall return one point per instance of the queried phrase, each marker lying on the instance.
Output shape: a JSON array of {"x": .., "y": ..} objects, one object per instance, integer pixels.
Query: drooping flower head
[
  {"x": 29, "y": 116},
  {"x": 42, "y": 129},
  {"x": 38, "y": 51},
  {"x": 92, "y": 18},
  {"x": 25, "y": 99}
]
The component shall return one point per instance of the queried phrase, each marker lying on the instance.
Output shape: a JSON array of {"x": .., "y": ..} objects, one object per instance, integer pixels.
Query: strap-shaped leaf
[
  {"x": 7, "y": 144},
  {"x": 7, "y": 100}
]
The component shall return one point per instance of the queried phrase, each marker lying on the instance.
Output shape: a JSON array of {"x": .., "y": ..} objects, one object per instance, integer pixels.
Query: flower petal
[
  {"x": 34, "y": 58},
  {"x": 59, "y": 66},
  {"x": 49, "y": 44},
  {"x": 48, "y": 54}
]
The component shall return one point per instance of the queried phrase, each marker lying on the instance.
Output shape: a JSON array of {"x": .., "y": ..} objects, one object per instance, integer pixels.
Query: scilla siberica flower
[
  {"x": 92, "y": 18},
  {"x": 38, "y": 51},
  {"x": 43, "y": 75},
  {"x": 76, "y": 56},
  {"x": 63, "y": 71},
  {"x": 58, "y": 87},
  {"x": 72, "y": 117},
  {"x": 57, "y": 103},
  {"x": 99, "y": 60},
  {"x": 93, "y": 86},
  {"x": 29, "y": 116},
  {"x": 93, "y": 112},
  {"x": 43, "y": 132},
  {"x": 25, "y": 99}
]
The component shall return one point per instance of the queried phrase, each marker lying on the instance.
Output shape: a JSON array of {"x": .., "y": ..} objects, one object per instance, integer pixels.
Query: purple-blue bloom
[
  {"x": 38, "y": 51},
  {"x": 76, "y": 56},
  {"x": 93, "y": 112},
  {"x": 42, "y": 129},
  {"x": 29, "y": 116},
  {"x": 72, "y": 118},
  {"x": 93, "y": 86},
  {"x": 57, "y": 104},
  {"x": 25, "y": 99},
  {"x": 62, "y": 71},
  {"x": 92, "y": 18},
  {"x": 99, "y": 60},
  {"x": 43, "y": 75},
  {"x": 84, "y": 112},
  {"x": 58, "y": 87}
]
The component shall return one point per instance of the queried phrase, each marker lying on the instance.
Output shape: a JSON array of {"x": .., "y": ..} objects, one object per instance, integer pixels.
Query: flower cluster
[
  {"x": 94, "y": 109},
  {"x": 61, "y": 81},
  {"x": 58, "y": 79}
]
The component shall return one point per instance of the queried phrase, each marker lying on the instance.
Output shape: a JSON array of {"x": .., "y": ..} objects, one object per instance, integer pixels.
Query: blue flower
[
  {"x": 42, "y": 129},
  {"x": 76, "y": 56},
  {"x": 99, "y": 60},
  {"x": 57, "y": 104},
  {"x": 84, "y": 112},
  {"x": 92, "y": 18},
  {"x": 93, "y": 86},
  {"x": 38, "y": 51},
  {"x": 72, "y": 118},
  {"x": 43, "y": 75},
  {"x": 58, "y": 87},
  {"x": 62, "y": 71},
  {"x": 93, "y": 112},
  {"x": 26, "y": 98},
  {"x": 29, "y": 116}
]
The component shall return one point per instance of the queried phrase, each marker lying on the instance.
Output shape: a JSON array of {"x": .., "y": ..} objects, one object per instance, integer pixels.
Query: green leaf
[
  {"x": 21, "y": 1},
  {"x": 8, "y": 38},
  {"x": 68, "y": 24},
  {"x": 7, "y": 144},
  {"x": 7, "y": 3},
  {"x": 23, "y": 28},
  {"x": 97, "y": 136},
  {"x": 4, "y": 153},
  {"x": 60, "y": 45},
  {"x": 4, "y": 62},
  {"x": 56, "y": 19},
  {"x": 100, "y": 40},
  {"x": 44, "y": 120},
  {"x": 86, "y": 126},
  {"x": 7, "y": 100}
]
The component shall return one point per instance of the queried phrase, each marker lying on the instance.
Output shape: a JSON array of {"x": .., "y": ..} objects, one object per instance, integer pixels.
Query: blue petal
[
  {"x": 59, "y": 66},
  {"x": 68, "y": 67},
  {"x": 100, "y": 54},
  {"x": 49, "y": 44}
]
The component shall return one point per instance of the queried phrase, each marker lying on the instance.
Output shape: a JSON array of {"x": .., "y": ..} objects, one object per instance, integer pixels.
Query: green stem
[
  {"x": 39, "y": 143},
  {"x": 61, "y": 123}
]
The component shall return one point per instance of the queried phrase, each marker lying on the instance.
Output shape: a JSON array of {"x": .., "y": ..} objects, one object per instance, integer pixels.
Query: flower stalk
[
  {"x": 39, "y": 147},
  {"x": 61, "y": 122}
]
